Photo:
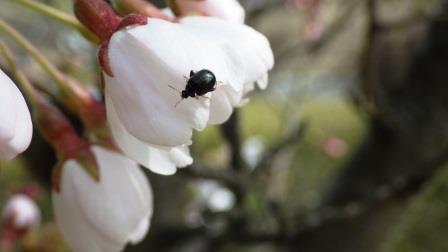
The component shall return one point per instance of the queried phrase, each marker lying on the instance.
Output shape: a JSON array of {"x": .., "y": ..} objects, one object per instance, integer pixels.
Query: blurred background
[{"x": 343, "y": 152}]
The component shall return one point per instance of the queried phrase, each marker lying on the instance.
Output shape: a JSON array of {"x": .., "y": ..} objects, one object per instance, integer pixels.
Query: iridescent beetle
[{"x": 198, "y": 84}]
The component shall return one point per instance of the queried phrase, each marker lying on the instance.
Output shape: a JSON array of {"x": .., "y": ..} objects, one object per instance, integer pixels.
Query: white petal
[
  {"x": 8, "y": 101},
  {"x": 181, "y": 156},
  {"x": 263, "y": 81},
  {"x": 23, "y": 130},
  {"x": 140, "y": 232},
  {"x": 160, "y": 160},
  {"x": 15, "y": 120},
  {"x": 222, "y": 103},
  {"x": 253, "y": 47}
]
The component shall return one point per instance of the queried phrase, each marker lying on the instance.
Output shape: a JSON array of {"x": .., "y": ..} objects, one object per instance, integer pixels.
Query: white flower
[
  {"x": 103, "y": 216},
  {"x": 146, "y": 60},
  {"x": 15, "y": 120},
  {"x": 230, "y": 10},
  {"x": 162, "y": 160},
  {"x": 21, "y": 213}
]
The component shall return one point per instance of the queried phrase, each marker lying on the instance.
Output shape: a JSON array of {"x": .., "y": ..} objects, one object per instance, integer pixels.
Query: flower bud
[
  {"x": 15, "y": 120},
  {"x": 20, "y": 214},
  {"x": 103, "y": 215}
]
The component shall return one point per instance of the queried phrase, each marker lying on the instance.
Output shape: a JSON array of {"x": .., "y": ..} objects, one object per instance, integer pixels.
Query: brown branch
[{"x": 231, "y": 132}]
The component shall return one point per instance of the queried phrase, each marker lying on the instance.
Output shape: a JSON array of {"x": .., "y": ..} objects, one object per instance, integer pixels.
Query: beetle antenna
[
  {"x": 177, "y": 103},
  {"x": 175, "y": 89}
]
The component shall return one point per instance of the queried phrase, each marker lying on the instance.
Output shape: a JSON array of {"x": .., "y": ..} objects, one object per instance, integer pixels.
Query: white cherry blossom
[{"x": 147, "y": 62}]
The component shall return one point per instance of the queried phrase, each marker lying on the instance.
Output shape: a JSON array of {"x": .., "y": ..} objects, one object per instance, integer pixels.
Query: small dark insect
[{"x": 198, "y": 84}]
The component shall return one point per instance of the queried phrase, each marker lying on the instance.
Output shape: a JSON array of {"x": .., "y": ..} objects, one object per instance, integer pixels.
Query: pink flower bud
[
  {"x": 20, "y": 214},
  {"x": 335, "y": 147}
]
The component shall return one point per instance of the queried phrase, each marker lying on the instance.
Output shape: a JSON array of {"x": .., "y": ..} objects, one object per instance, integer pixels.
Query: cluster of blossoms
[{"x": 163, "y": 78}]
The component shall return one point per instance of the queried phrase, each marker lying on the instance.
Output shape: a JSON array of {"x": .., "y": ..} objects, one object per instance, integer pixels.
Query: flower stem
[
  {"x": 70, "y": 93},
  {"x": 52, "y": 124},
  {"x": 60, "y": 16},
  {"x": 38, "y": 56},
  {"x": 27, "y": 88}
]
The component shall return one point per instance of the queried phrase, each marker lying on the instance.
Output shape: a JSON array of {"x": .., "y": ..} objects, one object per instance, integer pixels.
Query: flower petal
[
  {"x": 8, "y": 101},
  {"x": 229, "y": 10},
  {"x": 252, "y": 46},
  {"x": 15, "y": 120},
  {"x": 222, "y": 103},
  {"x": 160, "y": 160}
]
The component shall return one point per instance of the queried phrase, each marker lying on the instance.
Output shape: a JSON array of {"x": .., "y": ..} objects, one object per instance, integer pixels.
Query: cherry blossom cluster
[{"x": 166, "y": 74}]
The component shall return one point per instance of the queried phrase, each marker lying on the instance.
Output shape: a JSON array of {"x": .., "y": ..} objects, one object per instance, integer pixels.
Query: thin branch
[
  {"x": 292, "y": 138},
  {"x": 224, "y": 176},
  {"x": 61, "y": 16}
]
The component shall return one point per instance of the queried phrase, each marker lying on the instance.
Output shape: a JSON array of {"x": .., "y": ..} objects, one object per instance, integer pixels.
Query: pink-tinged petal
[{"x": 229, "y": 10}]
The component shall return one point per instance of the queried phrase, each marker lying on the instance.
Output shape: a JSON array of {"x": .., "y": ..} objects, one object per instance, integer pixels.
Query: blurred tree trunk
[{"x": 406, "y": 143}]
